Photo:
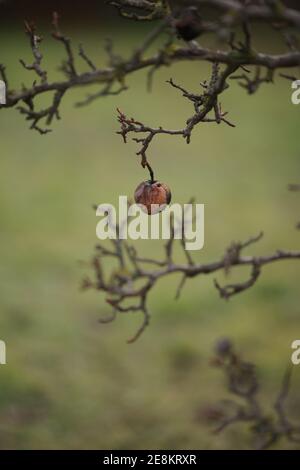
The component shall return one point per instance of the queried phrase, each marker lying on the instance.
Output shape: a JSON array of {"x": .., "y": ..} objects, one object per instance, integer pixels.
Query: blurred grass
[{"x": 72, "y": 383}]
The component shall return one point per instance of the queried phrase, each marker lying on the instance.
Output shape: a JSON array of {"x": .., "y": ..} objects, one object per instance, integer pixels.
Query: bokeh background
[{"x": 71, "y": 382}]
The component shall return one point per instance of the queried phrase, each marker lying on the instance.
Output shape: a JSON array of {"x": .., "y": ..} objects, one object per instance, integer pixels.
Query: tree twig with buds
[
  {"x": 203, "y": 104},
  {"x": 111, "y": 79}
]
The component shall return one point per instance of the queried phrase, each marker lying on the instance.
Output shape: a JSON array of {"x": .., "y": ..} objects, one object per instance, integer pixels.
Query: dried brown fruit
[{"x": 152, "y": 193}]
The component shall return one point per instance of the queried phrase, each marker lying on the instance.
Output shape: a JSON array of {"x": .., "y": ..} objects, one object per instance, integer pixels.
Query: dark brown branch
[
  {"x": 69, "y": 66},
  {"x": 243, "y": 385},
  {"x": 251, "y": 84},
  {"x": 203, "y": 104},
  {"x": 232, "y": 289},
  {"x": 233, "y": 11},
  {"x": 237, "y": 11},
  {"x": 111, "y": 78},
  {"x": 123, "y": 287},
  {"x": 35, "y": 40},
  {"x": 85, "y": 57}
]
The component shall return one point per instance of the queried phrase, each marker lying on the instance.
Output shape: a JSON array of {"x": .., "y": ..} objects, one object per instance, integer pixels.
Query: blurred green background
[{"x": 71, "y": 382}]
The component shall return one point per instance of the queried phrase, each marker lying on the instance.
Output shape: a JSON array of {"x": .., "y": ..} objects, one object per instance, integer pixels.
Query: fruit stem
[{"x": 151, "y": 172}]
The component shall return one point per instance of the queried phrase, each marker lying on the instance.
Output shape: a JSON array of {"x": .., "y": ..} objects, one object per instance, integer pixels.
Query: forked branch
[
  {"x": 125, "y": 293},
  {"x": 245, "y": 406},
  {"x": 230, "y": 16}
]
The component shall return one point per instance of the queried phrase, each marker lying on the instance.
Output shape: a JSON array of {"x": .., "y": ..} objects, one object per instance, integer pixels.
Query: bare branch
[
  {"x": 242, "y": 383},
  {"x": 122, "y": 286},
  {"x": 69, "y": 66},
  {"x": 230, "y": 15},
  {"x": 35, "y": 41}
]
